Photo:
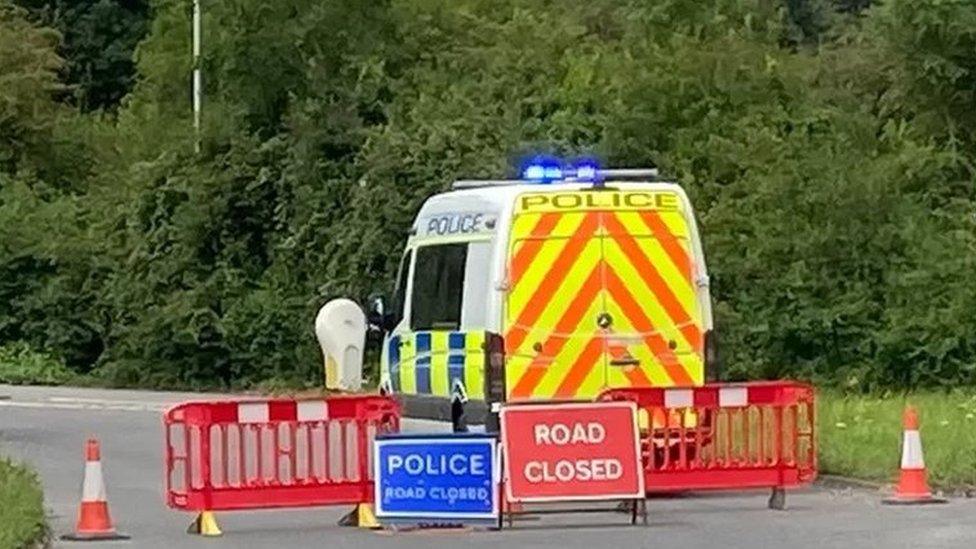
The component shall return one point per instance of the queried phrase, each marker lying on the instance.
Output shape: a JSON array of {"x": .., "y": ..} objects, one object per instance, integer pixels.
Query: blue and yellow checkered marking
[
  {"x": 423, "y": 367},
  {"x": 393, "y": 360},
  {"x": 455, "y": 359},
  {"x": 429, "y": 363}
]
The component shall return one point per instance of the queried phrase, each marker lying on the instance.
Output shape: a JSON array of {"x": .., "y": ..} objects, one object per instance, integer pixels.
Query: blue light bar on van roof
[
  {"x": 542, "y": 174},
  {"x": 543, "y": 170},
  {"x": 587, "y": 170},
  {"x": 547, "y": 171},
  {"x": 586, "y": 173},
  {"x": 581, "y": 174},
  {"x": 534, "y": 172}
]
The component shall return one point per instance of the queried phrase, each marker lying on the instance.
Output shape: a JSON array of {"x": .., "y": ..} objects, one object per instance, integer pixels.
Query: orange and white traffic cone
[
  {"x": 913, "y": 488},
  {"x": 94, "y": 522}
]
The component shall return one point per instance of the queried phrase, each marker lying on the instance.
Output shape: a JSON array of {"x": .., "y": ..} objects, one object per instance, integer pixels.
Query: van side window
[
  {"x": 438, "y": 286},
  {"x": 400, "y": 294}
]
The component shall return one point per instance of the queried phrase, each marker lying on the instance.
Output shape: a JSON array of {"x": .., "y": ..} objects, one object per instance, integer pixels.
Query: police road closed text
[
  {"x": 450, "y": 494},
  {"x": 435, "y": 477},
  {"x": 457, "y": 464},
  {"x": 572, "y": 451}
]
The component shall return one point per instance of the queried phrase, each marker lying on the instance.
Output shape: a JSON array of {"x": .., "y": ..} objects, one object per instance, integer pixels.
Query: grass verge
[
  {"x": 860, "y": 436},
  {"x": 22, "y": 522}
]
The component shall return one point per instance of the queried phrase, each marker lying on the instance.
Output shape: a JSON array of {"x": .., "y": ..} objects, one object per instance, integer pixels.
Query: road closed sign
[
  {"x": 433, "y": 477},
  {"x": 572, "y": 451}
]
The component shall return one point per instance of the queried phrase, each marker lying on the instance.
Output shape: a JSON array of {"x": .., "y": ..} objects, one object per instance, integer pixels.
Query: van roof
[{"x": 499, "y": 196}]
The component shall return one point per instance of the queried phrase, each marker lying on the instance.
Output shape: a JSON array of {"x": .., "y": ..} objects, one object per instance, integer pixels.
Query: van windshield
[{"x": 438, "y": 287}]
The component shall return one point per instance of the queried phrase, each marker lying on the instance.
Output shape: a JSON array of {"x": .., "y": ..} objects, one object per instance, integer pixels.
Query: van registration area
[{"x": 436, "y": 477}]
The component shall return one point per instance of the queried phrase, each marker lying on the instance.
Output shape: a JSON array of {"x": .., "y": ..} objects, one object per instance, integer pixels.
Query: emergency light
[
  {"x": 586, "y": 173},
  {"x": 542, "y": 174},
  {"x": 544, "y": 170},
  {"x": 534, "y": 173}
]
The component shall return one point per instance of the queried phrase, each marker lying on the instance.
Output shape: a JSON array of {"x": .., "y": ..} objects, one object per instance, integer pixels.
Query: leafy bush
[
  {"x": 830, "y": 159},
  {"x": 22, "y": 520},
  {"x": 19, "y": 364}
]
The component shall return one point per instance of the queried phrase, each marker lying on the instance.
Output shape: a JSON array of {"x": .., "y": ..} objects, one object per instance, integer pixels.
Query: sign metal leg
[{"x": 501, "y": 505}]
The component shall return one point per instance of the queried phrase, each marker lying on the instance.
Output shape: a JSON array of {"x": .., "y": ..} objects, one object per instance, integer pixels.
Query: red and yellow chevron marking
[{"x": 569, "y": 266}]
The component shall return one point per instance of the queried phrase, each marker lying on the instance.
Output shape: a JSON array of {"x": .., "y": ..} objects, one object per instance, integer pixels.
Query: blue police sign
[{"x": 436, "y": 477}]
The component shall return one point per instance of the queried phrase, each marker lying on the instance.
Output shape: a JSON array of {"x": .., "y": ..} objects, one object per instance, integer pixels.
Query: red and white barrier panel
[
  {"x": 719, "y": 436},
  {"x": 259, "y": 454}
]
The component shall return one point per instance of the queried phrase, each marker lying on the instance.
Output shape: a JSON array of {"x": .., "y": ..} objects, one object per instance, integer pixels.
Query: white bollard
[{"x": 340, "y": 328}]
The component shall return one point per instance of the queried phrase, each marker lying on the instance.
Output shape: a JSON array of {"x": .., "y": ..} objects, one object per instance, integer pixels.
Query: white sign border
[
  {"x": 411, "y": 439},
  {"x": 640, "y": 494}
]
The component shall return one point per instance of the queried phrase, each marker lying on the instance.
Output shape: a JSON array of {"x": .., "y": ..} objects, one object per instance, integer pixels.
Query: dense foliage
[
  {"x": 19, "y": 364},
  {"x": 98, "y": 39},
  {"x": 827, "y": 147},
  {"x": 22, "y": 520}
]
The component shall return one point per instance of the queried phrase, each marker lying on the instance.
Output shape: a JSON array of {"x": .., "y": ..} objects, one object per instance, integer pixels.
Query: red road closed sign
[{"x": 572, "y": 451}]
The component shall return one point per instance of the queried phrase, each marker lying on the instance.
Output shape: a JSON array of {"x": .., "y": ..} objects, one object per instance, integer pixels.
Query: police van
[{"x": 556, "y": 286}]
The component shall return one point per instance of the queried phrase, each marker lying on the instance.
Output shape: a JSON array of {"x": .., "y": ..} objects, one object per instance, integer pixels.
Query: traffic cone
[
  {"x": 913, "y": 488},
  {"x": 94, "y": 522}
]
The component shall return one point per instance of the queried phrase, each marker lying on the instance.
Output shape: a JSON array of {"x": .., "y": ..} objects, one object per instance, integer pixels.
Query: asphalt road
[{"x": 46, "y": 427}]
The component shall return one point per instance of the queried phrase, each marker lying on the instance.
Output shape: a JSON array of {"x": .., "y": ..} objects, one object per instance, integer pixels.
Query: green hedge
[
  {"x": 19, "y": 364},
  {"x": 830, "y": 160},
  {"x": 22, "y": 519}
]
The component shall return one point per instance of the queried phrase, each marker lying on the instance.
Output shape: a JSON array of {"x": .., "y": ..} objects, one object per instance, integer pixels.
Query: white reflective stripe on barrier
[
  {"x": 733, "y": 396},
  {"x": 93, "y": 488},
  {"x": 911, "y": 454},
  {"x": 312, "y": 410},
  {"x": 252, "y": 412},
  {"x": 679, "y": 398}
]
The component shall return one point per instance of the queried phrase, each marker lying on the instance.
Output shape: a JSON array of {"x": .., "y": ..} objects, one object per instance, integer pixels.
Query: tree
[
  {"x": 831, "y": 171},
  {"x": 28, "y": 82},
  {"x": 99, "y": 39},
  {"x": 931, "y": 47}
]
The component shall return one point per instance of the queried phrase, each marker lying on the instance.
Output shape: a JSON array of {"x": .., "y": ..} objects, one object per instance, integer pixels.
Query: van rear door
[
  {"x": 654, "y": 335},
  {"x": 600, "y": 295},
  {"x": 555, "y": 295}
]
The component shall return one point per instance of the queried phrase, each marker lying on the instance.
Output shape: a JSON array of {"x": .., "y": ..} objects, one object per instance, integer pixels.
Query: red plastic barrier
[
  {"x": 723, "y": 437},
  {"x": 259, "y": 454}
]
